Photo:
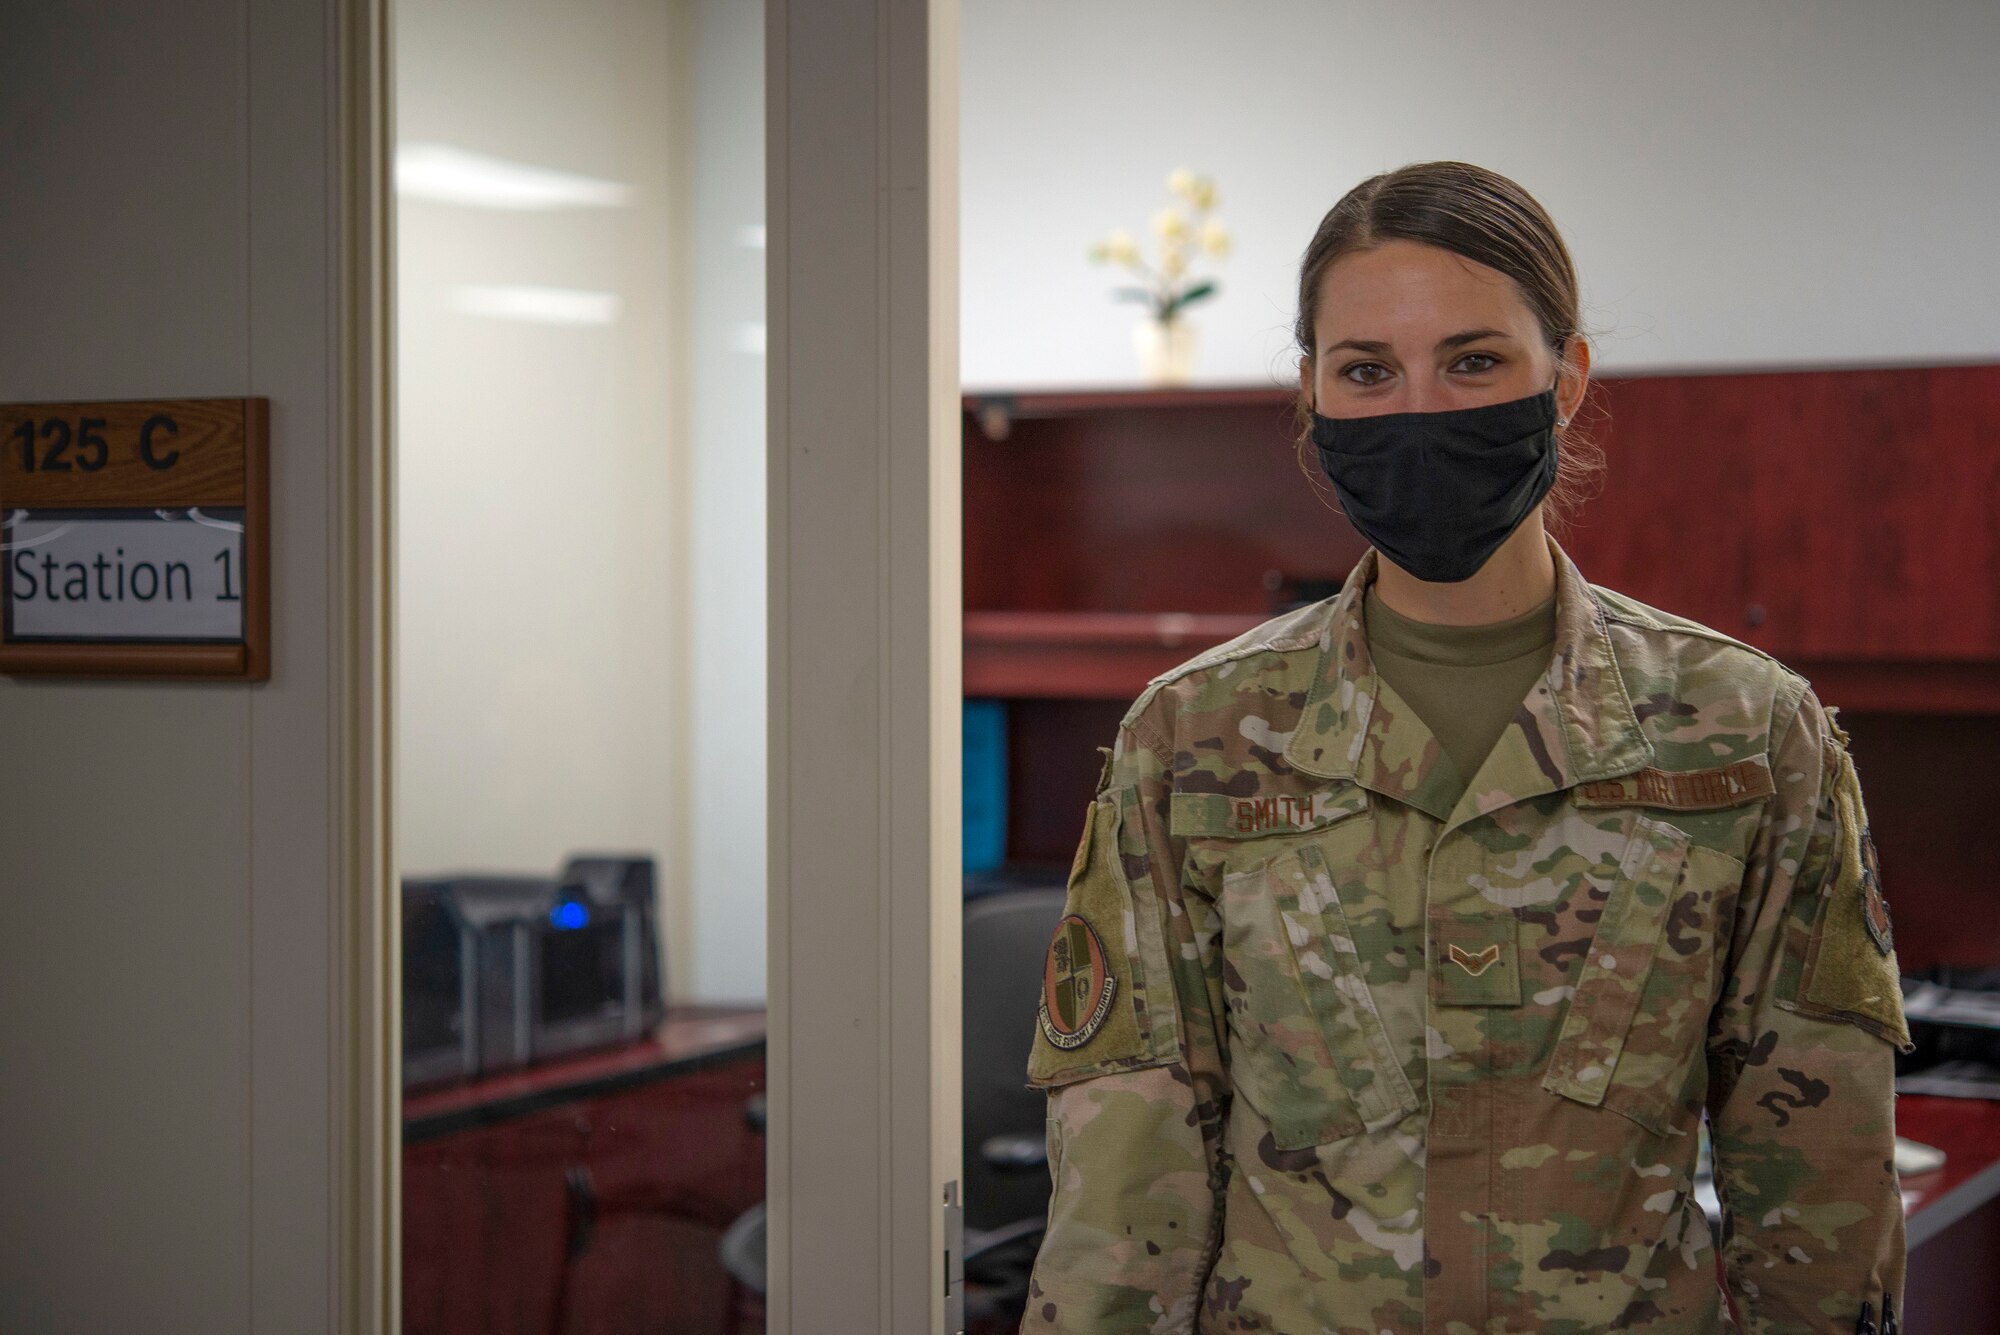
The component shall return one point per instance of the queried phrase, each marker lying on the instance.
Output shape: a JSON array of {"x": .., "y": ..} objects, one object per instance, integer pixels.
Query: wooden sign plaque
[{"x": 136, "y": 539}]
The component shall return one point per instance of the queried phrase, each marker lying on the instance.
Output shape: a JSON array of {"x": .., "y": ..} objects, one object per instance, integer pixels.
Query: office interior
[{"x": 1780, "y": 218}]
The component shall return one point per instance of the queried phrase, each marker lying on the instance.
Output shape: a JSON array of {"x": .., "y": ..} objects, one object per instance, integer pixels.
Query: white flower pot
[{"x": 1166, "y": 350}]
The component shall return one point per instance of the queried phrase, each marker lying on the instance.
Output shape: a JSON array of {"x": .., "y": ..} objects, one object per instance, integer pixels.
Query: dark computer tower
[
  {"x": 597, "y": 958},
  {"x": 440, "y": 969},
  {"x": 503, "y": 971}
]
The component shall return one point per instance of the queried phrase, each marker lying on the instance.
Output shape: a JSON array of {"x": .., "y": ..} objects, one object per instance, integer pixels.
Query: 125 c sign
[{"x": 56, "y": 445}]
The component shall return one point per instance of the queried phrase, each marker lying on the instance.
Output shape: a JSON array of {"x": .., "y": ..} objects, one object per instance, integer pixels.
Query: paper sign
[{"x": 123, "y": 575}]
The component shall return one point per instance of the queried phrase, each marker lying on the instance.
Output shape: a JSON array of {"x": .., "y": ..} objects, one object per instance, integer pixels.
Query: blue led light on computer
[{"x": 569, "y": 914}]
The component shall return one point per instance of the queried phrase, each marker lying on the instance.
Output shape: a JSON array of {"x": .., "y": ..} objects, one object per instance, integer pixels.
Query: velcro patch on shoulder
[
  {"x": 1104, "y": 770},
  {"x": 1850, "y": 971},
  {"x": 1104, "y": 970},
  {"x": 1078, "y": 985},
  {"x": 1223, "y": 816},
  {"x": 1687, "y": 790}
]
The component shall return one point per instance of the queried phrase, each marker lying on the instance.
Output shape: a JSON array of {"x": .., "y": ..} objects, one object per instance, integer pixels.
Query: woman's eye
[
  {"x": 1365, "y": 373},
  {"x": 1487, "y": 361}
]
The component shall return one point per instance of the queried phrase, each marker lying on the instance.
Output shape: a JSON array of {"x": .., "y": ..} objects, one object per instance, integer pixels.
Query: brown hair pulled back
[{"x": 1488, "y": 219}]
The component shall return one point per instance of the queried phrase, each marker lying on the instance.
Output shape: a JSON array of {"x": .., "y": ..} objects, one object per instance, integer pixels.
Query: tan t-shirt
[{"x": 1464, "y": 682}]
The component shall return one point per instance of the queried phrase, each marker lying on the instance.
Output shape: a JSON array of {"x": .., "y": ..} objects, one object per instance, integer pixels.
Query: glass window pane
[{"x": 580, "y": 655}]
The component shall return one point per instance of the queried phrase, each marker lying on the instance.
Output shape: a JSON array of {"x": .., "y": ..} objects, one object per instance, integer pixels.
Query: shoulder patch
[
  {"x": 1077, "y": 985},
  {"x": 1692, "y": 790},
  {"x": 1107, "y": 1001},
  {"x": 1850, "y": 970},
  {"x": 1874, "y": 908}
]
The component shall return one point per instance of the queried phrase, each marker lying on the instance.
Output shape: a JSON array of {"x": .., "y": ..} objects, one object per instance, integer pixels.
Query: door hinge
[{"x": 954, "y": 1261}]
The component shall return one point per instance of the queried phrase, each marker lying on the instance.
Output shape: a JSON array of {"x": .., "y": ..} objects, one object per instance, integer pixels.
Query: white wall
[
  {"x": 581, "y": 535},
  {"x": 539, "y": 511},
  {"x": 1786, "y": 183},
  {"x": 168, "y": 893}
]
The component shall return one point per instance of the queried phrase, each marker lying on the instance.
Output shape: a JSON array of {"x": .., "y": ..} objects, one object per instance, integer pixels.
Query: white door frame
[
  {"x": 367, "y": 1013},
  {"x": 863, "y": 454},
  {"x": 863, "y": 441}
]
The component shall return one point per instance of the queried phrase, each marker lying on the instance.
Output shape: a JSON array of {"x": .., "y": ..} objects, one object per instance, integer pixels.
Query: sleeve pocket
[
  {"x": 1107, "y": 992},
  {"x": 1850, "y": 971}
]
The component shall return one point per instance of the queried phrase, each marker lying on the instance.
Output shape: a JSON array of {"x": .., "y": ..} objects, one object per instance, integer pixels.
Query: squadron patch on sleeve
[
  {"x": 1077, "y": 985},
  {"x": 1874, "y": 908},
  {"x": 1850, "y": 971}
]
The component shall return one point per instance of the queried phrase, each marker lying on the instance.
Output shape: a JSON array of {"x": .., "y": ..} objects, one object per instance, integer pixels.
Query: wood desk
[
  {"x": 589, "y": 1193},
  {"x": 1954, "y": 1216}
]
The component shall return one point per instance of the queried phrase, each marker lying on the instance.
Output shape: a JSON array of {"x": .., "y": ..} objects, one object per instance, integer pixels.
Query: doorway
[{"x": 676, "y": 786}]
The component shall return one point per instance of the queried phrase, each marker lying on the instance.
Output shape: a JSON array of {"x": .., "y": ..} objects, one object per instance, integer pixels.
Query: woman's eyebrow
[
  {"x": 1448, "y": 341},
  {"x": 1469, "y": 336}
]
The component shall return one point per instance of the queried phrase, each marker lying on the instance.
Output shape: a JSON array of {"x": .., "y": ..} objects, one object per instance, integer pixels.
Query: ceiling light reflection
[
  {"x": 449, "y": 175},
  {"x": 538, "y": 305}
]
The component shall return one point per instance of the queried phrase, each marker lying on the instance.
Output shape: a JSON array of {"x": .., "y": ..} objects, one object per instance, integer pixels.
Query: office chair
[
  {"x": 744, "y": 1255},
  {"x": 1006, "y": 1193},
  {"x": 588, "y": 1206},
  {"x": 1006, "y": 1165},
  {"x": 1006, "y": 941}
]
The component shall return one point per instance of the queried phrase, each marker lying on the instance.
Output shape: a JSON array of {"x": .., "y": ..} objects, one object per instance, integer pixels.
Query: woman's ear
[
  {"x": 1572, "y": 377},
  {"x": 1306, "y": 381}
]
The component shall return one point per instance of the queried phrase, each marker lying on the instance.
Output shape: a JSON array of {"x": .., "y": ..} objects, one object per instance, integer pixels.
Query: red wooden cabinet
[
  {"x": 588, "y": 1197},
  {"x": 670, "y": 1166},
  {"x": 1137, "y": 502},
  {"x": 484, "y": 1222},
  {"x": 1827, "y": 516},
  {"x": 1842, "y": 520}
]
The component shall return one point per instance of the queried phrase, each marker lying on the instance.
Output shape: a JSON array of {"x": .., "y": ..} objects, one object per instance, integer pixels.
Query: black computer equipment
[{"x": 500, "y": 971}]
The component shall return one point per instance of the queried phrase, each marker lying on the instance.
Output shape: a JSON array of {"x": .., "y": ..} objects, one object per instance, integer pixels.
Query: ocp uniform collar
[{"x": 1579, "y": 723}]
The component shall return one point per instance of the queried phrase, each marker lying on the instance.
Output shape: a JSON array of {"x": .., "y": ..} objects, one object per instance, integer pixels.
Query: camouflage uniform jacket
[{"x": 1325, "y": 1052}]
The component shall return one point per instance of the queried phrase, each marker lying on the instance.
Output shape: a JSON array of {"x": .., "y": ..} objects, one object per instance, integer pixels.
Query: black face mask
[{"x": 1437, "y": 493}]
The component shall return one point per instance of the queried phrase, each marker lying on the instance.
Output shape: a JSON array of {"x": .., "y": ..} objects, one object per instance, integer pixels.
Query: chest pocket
[
  {"x": 1308, "y": 1049},
  {"x": 1632, "y": 1037}
]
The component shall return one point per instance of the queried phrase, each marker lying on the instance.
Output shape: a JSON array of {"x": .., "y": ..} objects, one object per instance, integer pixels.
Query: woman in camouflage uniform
[{"x": 1413, "y": 933}]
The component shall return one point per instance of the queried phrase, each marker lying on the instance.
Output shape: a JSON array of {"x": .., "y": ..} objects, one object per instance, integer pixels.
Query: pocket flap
[{"x": 1615, "y": 970}]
